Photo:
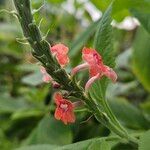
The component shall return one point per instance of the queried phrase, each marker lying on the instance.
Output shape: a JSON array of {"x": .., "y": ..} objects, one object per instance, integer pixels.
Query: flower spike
[{"x": 60, "y": 51}]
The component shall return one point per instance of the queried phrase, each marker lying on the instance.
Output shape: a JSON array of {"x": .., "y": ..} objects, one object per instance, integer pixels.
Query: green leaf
[
  {"x": 28, "y": 67},
  {"x": 103, "y": 143},
  {"x": 144, "y": 143},
  {"x": 99, "y": 146},
  {"x": 50, "y": 131},
  {"x": 27, "y": 113},
  {"x": 33, "y": 79},
  {"x": 9, "y": 31},
  {"x": 128, "y": 114},
  {"x": 141, "y": 57},
  {"x": 119, "y": 88},
  {"x": 38, "y": 147},
  {"x": 79, "y": 42},
  {"x": 145, "y": 106},
  {"x": 10, "y": 105},
  {"x": 103, "y": 44},
  {"x": 102, "y": 5},
  {"x": 55, "y": 1},
  {"x": 92, "y": 144},
  {"x": 143, "y": 17},
  {"x": 121, "y": 7},
  {"x": 103, "y": 38}
]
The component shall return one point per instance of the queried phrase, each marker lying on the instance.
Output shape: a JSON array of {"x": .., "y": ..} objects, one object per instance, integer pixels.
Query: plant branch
[{"x": 41, "y": 51}]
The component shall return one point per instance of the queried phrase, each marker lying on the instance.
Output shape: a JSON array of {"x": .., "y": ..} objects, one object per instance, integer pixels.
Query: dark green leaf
[
  {"x": 103, "y": 38},
  {"x": 144, "y": 143},
  {"x": 121, "y": 7},
  {"x": 97, "y": 145},
  {"x": 10, "y": 105},
  {"x": 33, "y": 79},
  {"x": 27, "y": 113},
  {"x": 92, "y": 144},
  {"x": 128, "y": 114},
  {"x": 50, "y": 131},
  {"x": 103, "y": 44},
  {"x": 38, "y": 147},
  {"x": 143, "y": 17},
  {"x": 141, "y": 57}
]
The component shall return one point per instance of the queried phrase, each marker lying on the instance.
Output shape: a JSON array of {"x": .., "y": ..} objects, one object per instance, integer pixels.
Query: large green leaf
[
  {"x": 103, "y": 44},
  {"x": 143, "y": 17},
  {"x": 10, "y": 105},
  {"x": 121, "y": 7},
  {"x": 141, "y": 57},
  {"x": 144, "y": 143},
  {"x": 103, "y": 38},
  {"x": 92, "y": 144},
  {"x": 27, "y": 113},
  {"x": 119, "y": 88},
  {"x": 128, "y": 114},
  {"x": 145, "y": 106},
  {"x": 33, "y": 79},
  {"x": 38, "y": 147},
  {"x": 50, "y": 131},
  {"x": 9, "y": 31},
  {"x": 99, "y": 146}
]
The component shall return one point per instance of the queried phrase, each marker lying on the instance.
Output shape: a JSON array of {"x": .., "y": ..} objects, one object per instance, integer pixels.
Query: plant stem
[{"x": 41, "y": 51}]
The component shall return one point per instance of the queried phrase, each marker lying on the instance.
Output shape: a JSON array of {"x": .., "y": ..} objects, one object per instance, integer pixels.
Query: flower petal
[
  {"x": 94, "y": 70},
  {"x": 58, "y": 113},
  {"x": 58, "y": 98},
  {"x": 91, "y": 80},
  {"x": 91, "y": 56},
  {"x": 68, "y": 117},
  {"x": 79, "y": 68},
  {"x": 60, "y": 50},
  {"x": 43, "y": 70},
  {"x": 110, "y": 73},
  {"x": 47, "y": 78},
  {"x": 63, "y": 59}
]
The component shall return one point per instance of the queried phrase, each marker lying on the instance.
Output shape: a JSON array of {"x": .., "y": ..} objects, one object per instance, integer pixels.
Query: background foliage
[{"x": 26, "y": 103}]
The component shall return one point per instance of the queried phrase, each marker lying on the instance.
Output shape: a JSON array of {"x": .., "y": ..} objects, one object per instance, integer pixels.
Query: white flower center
[{"x": 64, "y": 106}]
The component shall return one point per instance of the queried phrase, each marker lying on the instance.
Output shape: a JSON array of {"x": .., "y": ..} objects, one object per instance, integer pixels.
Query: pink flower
[
  {"x": 61, "y": 51},
  {"x": 64, "y": 109},
  {"x": 94, "y": 62},
  {"x": 47, "y": 78}
]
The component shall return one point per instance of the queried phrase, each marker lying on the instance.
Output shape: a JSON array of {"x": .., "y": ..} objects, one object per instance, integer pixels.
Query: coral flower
[
  {"x": 61, "y": 51},
  {"x": 47, "y": 78},
  {"x": 64, "y": 109},
  {"x": 94, "y": 62}
]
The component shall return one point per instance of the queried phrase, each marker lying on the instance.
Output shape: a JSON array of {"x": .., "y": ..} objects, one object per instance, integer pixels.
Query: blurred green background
[{"x": 26, "y": 103}]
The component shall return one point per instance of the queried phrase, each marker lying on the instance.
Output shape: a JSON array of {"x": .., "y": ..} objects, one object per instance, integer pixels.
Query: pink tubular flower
[
  {"x": 64, "y": 109},
  {"x": 97, "y": 69},
  {"x": 61, "y": 51},
  {"x": 47, "y": 78}
]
